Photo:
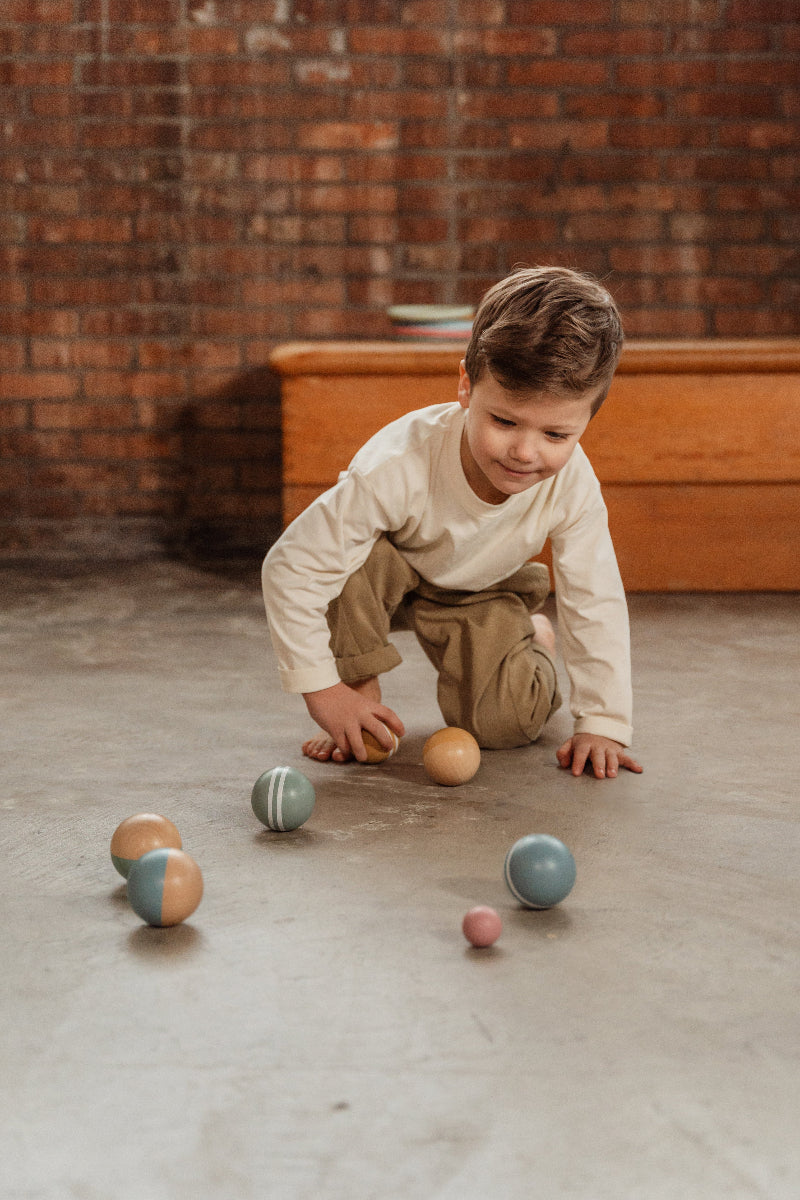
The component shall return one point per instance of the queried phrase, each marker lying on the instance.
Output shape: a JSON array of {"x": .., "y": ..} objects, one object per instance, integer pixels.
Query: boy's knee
[{"x": 512, "y": 708}]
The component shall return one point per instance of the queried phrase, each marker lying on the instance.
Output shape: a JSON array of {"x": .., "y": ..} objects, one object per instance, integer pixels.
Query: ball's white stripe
[
  {"x": 275, "y": 797},
  {"x": 515, "y": 892}
]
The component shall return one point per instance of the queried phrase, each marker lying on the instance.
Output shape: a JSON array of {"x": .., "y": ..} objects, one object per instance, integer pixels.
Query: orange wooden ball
[
  {"x": 375, "y": 751},
  {"x": 138, "y": 834},
  {"x": 451, "y": 756}
]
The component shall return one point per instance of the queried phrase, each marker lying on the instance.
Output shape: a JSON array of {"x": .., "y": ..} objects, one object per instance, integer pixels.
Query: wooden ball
[
  {"x": 451, "y": 756},
  {"x": 165, "y": 886},
  {"x": 375, "y": 751},
  {"x": 138, "y": 834},
  {"x": 283, "y": 799},
  {"x": 482, "y": 926}
]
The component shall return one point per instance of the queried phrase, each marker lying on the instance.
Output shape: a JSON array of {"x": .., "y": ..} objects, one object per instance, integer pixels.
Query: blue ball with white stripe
[
  {"x": 283, "y": 799},
  {"x": 539, "y": 870}
]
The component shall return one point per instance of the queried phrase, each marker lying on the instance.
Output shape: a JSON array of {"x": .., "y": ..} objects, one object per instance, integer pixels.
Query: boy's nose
[{"x": 524, "y": 451}]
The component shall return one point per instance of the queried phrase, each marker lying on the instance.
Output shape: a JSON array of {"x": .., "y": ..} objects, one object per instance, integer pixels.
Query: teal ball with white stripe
[
  {"x": 539, "y": 870},
  {"x": 283, "y": 799}
]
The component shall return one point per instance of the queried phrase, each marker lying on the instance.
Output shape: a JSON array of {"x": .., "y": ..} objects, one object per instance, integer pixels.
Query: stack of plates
[{"x": 431, "y": 322}]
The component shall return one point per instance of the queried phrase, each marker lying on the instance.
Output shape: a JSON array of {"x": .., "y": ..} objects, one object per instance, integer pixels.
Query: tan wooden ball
[
  {"x": 451, "y": 756},
  {"x": 375, "y": 751}
]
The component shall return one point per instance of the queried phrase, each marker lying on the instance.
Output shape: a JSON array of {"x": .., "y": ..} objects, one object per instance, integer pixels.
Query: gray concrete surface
[{"x": 319, "y": 1029}]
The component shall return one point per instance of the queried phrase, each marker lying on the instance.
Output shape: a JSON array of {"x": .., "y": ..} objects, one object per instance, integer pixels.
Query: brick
[
  {"x": 399, "y": 42},
  {"x": 494, "y": 105},
  {"x": 727, "y": 104},
  {"x": 557, "y": 73},
  {"x": 767, "y": 11},
  {"x": 82, "y": 416},
  {"x": 346, "y": 135},
  {"x": 615, "y": 104},
  {"x": 82, "y": 229},
  {"x": 483, "y": 73},
  {"x": 748, "y": 323},
  {"x": 63, "y": 353},
  {"x": 661, "y": 260},
  {"x": 34, "y": 385},
  {"x": 614, "y": 227},
  {"x": 619, "y": 43},
  {"x": 765, "y": 197},
  {"x": 650, "y": 197},
  {"x": 34, "y": 135},
  {"x": 755, "y": 260},
  {"x": 511, "y": 42},
  {"x": 560, "y": 12},
  {"x": 35, "y": 74},
  {"x": 681, "y": 12},
  {"x": 553, "y": 135},
  {"x": 14, "y": 416},
  {"x": 270, "y": 292},
  {"x": 712, "y": 227},
  {"x": 666, "y": 323},
  {"x": 130, "y": 73},
  {"x": 373, "y": 227},
  {"x": 213, "y": 74},
  {"x": 428, "y": 73},
  {"x": 657, "y": 135},
  {"x": 759, "y": 135},
  {"x": 138, "y": 12},
  {"x": 100, "y": 135},
  {"x": 345, "y": 199},
  {"x": 522, "y": 230},
  {"x": 733, "y": 40},
  {"x": 48, "y": 12},
  {"x": 663, "y": 74},
  {"x": 769, "y": 72},
  {"x": 128, "y": 446},
  {"x": 785, "y": 227}
]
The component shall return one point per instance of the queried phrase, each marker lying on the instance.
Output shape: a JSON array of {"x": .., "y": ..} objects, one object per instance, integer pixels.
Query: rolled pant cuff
[{"x": 363, "y": 666}]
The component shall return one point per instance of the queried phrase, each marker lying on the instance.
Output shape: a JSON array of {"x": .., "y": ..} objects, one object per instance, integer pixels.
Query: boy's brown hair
[{"x": 546, "y": 329}]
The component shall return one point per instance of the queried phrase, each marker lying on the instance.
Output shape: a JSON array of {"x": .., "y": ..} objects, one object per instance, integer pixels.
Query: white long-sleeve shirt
[{"x": 408, "y": 482}]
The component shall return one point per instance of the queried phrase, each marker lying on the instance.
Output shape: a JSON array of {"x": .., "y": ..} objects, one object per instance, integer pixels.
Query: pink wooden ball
[{"x": 482, "y": 926}]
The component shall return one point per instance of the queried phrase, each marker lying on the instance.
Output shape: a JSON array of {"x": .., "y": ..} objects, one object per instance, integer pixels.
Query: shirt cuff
[
  {"x": 608, "y": 727},
  {"x": 309, "y": 679}
]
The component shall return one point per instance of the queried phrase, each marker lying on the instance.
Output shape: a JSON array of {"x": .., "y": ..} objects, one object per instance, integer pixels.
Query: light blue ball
[
  {"x": 283, "y": 799},
  {"x": 539, "y": 870}
]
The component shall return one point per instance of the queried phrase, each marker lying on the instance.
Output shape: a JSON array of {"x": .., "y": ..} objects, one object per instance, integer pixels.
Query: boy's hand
[
  {"x": 603, "y": 754},
  {"x": 344, "y": 711}
]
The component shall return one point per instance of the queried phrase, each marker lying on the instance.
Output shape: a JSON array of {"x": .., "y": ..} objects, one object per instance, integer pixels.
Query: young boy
[{"x": 432, "y": 528}]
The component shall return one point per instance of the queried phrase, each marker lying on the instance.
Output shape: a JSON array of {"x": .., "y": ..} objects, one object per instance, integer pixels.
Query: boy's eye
[
  {"x": 556, "y": 437},
  {"x": 506, "y": 424}
]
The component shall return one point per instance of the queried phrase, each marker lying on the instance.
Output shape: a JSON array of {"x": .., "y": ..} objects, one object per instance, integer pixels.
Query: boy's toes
[{"x": 323, "y": 749}]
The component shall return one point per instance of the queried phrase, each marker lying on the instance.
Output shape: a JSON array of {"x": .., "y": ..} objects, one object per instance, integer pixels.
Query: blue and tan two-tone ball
[
  {"x": 165, "y": 886},
  {"x": 539, "y": 870},
  {"x": 134, "y": 836},
  {"x": 283, "y": 798}
]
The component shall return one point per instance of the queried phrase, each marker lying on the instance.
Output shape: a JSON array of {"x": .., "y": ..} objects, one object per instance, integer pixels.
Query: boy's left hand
[{"x": 603, "y": 754}]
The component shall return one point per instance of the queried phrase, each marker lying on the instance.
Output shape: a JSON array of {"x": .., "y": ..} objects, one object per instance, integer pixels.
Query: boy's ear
[{"x": 464, "y": 385}]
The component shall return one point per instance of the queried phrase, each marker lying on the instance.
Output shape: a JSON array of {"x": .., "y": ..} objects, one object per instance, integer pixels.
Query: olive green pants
[{"x": 494, "y": 679}]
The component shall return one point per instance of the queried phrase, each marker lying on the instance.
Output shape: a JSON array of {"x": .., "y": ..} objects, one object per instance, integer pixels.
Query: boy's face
[{"x": 514, "y": 440}]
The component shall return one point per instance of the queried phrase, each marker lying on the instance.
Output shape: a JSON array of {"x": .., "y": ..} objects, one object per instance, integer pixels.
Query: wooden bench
[{"x": 697, "y": 447}]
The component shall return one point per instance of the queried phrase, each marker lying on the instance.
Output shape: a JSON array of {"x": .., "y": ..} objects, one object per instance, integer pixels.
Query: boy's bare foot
[
  {"x": 322, "y": 747},
  {"x": 543, "y": 632}
]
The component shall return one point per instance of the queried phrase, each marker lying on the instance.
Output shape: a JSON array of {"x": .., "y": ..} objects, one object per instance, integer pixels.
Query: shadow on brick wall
[{"x": 227, "y": 480}]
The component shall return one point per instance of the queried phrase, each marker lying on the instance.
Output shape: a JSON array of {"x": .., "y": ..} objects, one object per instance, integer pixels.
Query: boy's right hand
[{"x": 343, "y": 711}]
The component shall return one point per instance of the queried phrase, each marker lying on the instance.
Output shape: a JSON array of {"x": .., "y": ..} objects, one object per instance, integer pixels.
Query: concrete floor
[{"x": 319, "y": 1029}]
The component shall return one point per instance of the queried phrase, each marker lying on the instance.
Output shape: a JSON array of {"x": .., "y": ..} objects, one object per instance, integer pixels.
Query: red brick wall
[{"x": 188, "y": 182}]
